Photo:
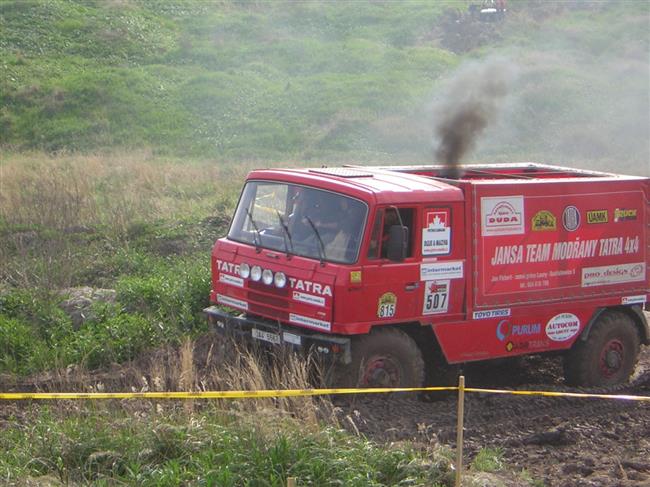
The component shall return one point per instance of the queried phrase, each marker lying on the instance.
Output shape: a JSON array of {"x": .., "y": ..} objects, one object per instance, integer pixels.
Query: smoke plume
[{"x": 469, "y": 103}]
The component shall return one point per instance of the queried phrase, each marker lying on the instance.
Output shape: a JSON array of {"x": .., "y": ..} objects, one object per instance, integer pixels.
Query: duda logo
[{"x": 503, "y": 214}]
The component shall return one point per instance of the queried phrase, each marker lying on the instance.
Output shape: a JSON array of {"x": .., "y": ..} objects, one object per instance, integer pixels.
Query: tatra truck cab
[{"x": 396, "y": 274}]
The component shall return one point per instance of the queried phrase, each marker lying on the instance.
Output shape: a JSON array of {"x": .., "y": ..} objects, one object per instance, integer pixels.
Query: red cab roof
[{"x": 372, "y": 183}]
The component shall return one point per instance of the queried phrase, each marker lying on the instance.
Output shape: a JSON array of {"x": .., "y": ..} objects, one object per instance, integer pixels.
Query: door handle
[{"x": 412, "y": 286}]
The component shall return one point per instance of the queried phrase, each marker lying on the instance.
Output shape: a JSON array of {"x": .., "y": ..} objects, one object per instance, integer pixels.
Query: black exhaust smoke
[{"x": 469, "y": 104}]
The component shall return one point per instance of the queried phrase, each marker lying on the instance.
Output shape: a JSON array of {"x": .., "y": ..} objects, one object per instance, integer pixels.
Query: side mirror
[{"x": 398, "y": 239}]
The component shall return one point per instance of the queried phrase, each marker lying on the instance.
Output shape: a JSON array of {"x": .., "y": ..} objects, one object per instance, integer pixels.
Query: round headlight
[
  {"x": 280, "y": 279},
  {"x": 256, "y": 273},
  {"x": 244, "y": 270},
  {"x": 267, "y": 277}
]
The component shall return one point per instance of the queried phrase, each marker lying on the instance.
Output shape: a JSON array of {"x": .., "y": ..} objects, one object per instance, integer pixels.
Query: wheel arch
[
  {"x": 634, "y": 312},
  {"x": 424, "y": 337}
]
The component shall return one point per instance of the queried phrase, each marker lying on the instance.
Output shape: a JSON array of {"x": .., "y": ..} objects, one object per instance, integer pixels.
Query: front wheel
[
  {"x": 386, "y": 357},
  {"x": 609, "y": 354}
]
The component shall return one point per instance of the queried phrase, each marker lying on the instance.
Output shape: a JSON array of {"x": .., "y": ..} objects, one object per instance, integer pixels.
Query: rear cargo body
[{"x": 505, "y": 260}]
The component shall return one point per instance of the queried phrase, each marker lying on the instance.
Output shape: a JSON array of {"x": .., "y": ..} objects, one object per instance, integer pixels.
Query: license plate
[{"x": 266, "y": 336}]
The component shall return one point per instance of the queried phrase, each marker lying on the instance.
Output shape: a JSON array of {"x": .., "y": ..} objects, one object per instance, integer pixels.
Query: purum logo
[{"x": 505, "y": 329}]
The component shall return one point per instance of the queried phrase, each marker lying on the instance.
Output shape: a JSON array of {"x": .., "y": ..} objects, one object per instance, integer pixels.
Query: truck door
[
  {"x": 444, "y": 267},
  {"x": 392, "y": 288}
]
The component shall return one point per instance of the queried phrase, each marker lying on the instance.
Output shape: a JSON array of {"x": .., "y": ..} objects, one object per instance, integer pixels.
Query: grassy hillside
[
  {"x": 215, "y": 79},
  {"x": 319, "y": 80}
]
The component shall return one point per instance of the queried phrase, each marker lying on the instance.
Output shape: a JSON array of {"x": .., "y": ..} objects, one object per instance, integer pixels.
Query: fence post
[
  {"x": 459, "y": 430},
  {"x": 291, "y": 482}
]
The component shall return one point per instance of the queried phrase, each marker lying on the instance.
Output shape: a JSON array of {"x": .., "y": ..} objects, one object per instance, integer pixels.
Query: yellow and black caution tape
[{"x": 277, "y": 393}]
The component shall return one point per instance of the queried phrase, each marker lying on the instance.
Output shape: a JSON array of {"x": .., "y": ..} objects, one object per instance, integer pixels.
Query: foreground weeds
[
  {"x": 196, "y": 442},
  {"x": 107, "y": 446}
]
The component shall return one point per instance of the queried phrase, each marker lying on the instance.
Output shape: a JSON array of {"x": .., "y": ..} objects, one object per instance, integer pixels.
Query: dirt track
[{"x": 561, "y": 441}]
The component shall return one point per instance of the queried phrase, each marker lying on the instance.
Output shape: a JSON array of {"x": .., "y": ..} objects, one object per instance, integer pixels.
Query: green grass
[
  {"x": 104, "y": 447},
  {"x": 318, "y": 81},
  {"x": 488, "y": 460},
  {"x": 157, "y": 305}
]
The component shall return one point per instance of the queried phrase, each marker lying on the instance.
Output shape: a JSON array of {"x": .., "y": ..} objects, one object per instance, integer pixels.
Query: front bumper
[{"x": 273, "y": 333}]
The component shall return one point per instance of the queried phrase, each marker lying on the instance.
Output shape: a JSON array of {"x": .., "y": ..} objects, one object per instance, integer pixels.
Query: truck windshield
[{"x": 299, "y": 220}]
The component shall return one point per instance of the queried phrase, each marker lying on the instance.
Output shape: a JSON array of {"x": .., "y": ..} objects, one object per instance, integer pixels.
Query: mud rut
[{"x": 561, "y": 441}]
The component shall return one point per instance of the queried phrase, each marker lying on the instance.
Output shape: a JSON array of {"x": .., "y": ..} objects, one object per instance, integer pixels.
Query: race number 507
[{"x": 436, "y": 297}]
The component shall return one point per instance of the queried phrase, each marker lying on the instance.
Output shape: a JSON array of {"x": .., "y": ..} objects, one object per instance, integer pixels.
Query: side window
[
  {"x": 381, "y": 230},
  {"x": 375, "y": 236}
]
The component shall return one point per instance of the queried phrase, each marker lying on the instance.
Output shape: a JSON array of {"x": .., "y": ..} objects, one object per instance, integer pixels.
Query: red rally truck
[{"x": 394, "y": 273}]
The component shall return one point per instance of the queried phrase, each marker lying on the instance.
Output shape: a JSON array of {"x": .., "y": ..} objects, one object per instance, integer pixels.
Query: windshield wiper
[
  {"x": 285, "y": 235},
  {"x": 321, "y": 248},
  {"x": 257, "y": 239}
]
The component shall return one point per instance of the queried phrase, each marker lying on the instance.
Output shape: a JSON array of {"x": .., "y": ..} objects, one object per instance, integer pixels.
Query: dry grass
[
  {"x": 67, "y": 191},
  {"x": 51, "y": 207},
  {"x": 210, "y": 363}
]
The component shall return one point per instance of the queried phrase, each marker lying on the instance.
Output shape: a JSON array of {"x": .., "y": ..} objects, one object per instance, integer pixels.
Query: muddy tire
[
  {"x": 385, "y": 358},
  {"x": 609, "y": 354}
]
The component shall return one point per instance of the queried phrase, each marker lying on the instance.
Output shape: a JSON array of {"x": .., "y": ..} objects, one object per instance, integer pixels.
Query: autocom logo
[
  {"x": 562, "y": 327},
  {"x": 503, "y": 215}
]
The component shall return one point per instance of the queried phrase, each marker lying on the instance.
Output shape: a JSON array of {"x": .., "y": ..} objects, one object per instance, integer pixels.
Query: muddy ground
[{"x": 558, "y": 441}]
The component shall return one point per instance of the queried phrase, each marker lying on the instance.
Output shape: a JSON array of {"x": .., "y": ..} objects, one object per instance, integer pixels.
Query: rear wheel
[
  {"x": 609, "y": 354},
  {"x": 385, "y": 358}
]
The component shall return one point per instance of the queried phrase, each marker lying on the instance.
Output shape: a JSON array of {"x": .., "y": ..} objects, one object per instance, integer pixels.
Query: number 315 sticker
[{"x": 436, "y": 297}]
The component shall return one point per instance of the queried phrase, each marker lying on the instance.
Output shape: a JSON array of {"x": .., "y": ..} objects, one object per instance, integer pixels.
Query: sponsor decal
[
  {"x": 355, "y": 277},
  {"x": 544, "y": 221},
  {"x": 387, "y": 305},
  {"x": 310, "y": 287},
  {"x": 562, "y": 327},
  {"x": 491, "y": 313},
  {"x": 624, "y": 214},
  {"x": 505, "y": 330},
  {"x": 613, "y": 274},
  {"x": 232, "y": 280},
  {"x": 441, "y": 270},
  {"x": 634, "y": 299},
  {"x": 232, "y": 302},
  {"x": 571, "y": 218},
  {"x": 436, "y": 234},
  {"x": 502, "y": 215},
  {"x": 597, "y": 216},
  {"x": 436, "y": 297},
  {"x": 526, "y": 345},
  {"x": 508, "y": 254},
  {"x": 309, "y": 322},
  {"x": 308, "y": 298},
  {"x": 298, "y": 284}
]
